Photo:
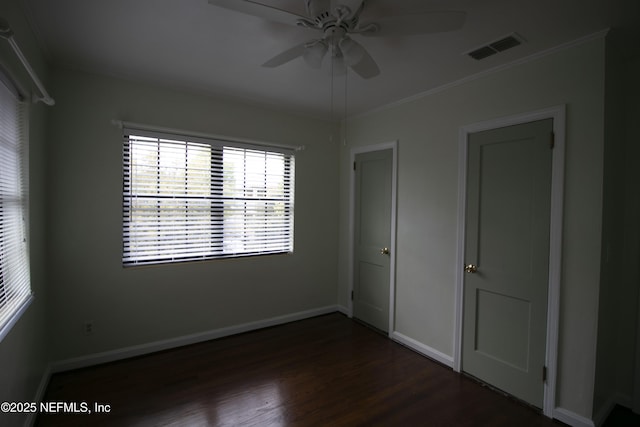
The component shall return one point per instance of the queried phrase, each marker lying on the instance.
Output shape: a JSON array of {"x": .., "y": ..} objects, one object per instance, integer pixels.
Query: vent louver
[{"x": 508, "y": 42}]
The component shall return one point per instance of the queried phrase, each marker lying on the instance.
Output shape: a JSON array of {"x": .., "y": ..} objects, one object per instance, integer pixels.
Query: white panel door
[
  {"x": 372, "y": 238},
  {"x": 507, "y": 257}
]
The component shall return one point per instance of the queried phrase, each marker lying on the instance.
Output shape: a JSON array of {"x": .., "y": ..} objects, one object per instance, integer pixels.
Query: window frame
[{"x": 220, "y": 202}]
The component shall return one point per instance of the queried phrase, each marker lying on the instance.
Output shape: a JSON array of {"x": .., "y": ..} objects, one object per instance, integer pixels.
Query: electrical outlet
[{"x": 88, "y": 327}]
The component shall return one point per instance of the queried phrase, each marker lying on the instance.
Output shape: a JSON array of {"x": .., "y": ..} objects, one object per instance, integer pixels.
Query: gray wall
[
  {"x": 620, "y": 280},
  {"x": 23, "y": 354},
  {"x": 617, "y": 319},
  {"x": 135, "y": 306},
  {"x": 427, "y": 131}
]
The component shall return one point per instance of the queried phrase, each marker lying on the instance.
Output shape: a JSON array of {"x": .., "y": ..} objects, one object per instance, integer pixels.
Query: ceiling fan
[{"x": 339, "y": 22}]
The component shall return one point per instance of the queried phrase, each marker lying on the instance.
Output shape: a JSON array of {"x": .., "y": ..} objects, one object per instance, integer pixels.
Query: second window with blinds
[{"x": 187, "y": 199}]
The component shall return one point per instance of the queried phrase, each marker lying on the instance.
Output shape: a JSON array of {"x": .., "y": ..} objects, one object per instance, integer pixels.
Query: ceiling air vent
[{"x": 512, "y": 40}]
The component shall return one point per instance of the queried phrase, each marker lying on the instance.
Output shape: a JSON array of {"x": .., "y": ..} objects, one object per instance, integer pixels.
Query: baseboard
[
  {"x": 152, "y": 347},
  {"x": 617, "y": 399},
  {"x": 423, "y": 349},
  {"x": 571, "y": 418},
  {"x": 344, "y": 310},
  {"x": 42, "y": 387},
  {"x": 624, "y": 400},
  {"x": 602, "y": 413}
]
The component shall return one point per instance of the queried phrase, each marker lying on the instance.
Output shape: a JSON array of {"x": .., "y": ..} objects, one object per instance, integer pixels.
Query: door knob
[
  {"x": 384, "y": 251},
  {"x": 470, "y": 268}
]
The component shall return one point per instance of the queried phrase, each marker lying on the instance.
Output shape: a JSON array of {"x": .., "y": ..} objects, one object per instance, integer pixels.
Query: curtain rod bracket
[{"x": 47, "y": 100}]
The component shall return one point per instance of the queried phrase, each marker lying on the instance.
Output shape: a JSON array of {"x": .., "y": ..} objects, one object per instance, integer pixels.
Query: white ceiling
[{"x": 191, "y": 44}]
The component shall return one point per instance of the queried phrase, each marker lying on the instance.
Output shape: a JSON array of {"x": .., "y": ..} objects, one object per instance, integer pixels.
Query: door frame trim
[
  {"x": 393, "y": 146},
  {"x": 558, "y": 114}
]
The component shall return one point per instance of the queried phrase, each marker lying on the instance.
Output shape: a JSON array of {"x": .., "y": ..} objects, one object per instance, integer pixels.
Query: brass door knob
[
  {"x": 470, "y": 268},
  {"x": 384, "y": 251}
]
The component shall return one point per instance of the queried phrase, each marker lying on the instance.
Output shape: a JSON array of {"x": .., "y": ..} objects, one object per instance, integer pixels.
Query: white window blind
[
  {"x": 15, "y": 283},
  {"x": 190, "y": 199}
]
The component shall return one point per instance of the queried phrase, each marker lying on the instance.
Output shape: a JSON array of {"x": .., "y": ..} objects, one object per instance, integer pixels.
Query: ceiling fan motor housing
[{"x": 323, "y": 17}]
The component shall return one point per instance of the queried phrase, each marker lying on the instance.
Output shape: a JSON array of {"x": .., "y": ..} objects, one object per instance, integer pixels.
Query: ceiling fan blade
[
  {"x": 286, "y": 56},
  {"x": 366, "y": 67},
  {"x": 259, "y": 10},
  {"x": 352, "y": 51},
  {"x": 423, "y": 23},
  {"x": 355, "y": 6},
  {"x": 317, "y": 7}
]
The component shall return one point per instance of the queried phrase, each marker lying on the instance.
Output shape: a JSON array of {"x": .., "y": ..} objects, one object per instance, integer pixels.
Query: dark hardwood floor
[
  {"x": 622, "y": 417},
  {"x": 324, "y": 371}
]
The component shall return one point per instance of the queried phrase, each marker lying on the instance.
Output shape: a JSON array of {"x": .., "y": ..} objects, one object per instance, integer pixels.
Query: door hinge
[
  {"x": 351, "y": 295},
  {"x": 552, "y": 142},
  {"x": 354, "y": 165},
  {"x": 544, "y": 374}
]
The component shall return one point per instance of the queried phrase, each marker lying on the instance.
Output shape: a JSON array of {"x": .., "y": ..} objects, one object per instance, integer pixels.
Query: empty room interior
[{"x": 453, "y": 180}]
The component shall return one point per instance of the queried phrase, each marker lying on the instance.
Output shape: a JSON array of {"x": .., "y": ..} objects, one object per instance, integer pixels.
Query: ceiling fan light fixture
[
  {"x": 351, "y": 51},
  {"x": 338, "y": 66},
  {"x": 314, "y": 54}
]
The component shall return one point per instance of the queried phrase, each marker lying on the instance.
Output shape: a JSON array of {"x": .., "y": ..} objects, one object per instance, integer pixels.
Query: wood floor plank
[{"x": 324, "y": 371}]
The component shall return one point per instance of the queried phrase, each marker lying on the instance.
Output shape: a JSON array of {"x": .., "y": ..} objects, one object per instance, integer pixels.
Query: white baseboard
[
  {"x": 624, "y": 400},
  {"x": 423, "y": 349},
  {"x": 152, "y": 347},
  {"x": 42, "y": 387},
  {"x": 603, "y": 412},
  {"x": 344, "y": 310},
  {"x": 572, "y": 418}
]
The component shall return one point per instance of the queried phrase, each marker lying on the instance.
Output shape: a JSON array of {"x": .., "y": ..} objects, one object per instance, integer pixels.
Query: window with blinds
[
  {"x": 189, "y": 199},
  {"x": 15, "y": 282}
]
